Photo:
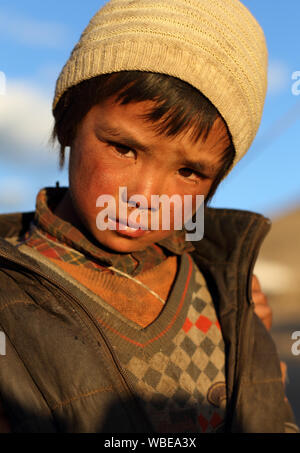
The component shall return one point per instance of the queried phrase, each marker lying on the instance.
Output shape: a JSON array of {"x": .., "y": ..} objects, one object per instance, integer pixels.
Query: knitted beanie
[{"x": 214, "y": 45}]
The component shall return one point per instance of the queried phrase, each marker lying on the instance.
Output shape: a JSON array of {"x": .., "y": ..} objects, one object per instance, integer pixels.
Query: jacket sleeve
[
  {"x": 262, "y": 333},
  {"x": 20, "y": 403},
  {"x": 20, "y": 398},
  {"x": 290, "y": 425}
]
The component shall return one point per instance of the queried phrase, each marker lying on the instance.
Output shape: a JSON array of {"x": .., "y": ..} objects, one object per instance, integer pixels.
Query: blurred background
[{"x": 36, "y": 39}]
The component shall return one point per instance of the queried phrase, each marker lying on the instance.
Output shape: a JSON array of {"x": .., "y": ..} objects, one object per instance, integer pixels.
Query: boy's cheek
[{"x": 89, "y": 181}]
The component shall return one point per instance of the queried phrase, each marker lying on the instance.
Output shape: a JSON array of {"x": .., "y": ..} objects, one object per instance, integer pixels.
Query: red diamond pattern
[
  {"x": 218, "y": 325},
  {"x": 203, "y": 323},
  {"x": 187, "y": 325},
  {"x": 203, "y": 423},
  {"x": 215, "y": 420}
]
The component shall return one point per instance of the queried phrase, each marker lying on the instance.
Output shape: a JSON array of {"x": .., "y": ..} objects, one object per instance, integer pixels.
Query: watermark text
[
  {"x": 296, "y": 84},
  {"x": 2, "y": 83},
  {"x": 166, "y": 213},
  {"x": 2, "y": 343},
  {"x": 296, "y": 345}
]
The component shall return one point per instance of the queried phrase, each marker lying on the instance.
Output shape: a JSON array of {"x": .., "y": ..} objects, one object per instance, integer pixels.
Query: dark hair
[{"x": 178, "y": 107}]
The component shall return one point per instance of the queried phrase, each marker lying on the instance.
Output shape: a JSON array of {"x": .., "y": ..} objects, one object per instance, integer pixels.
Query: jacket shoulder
[
  {"x": 15, "y": 224},
  {"x": 238, "y": 218}
]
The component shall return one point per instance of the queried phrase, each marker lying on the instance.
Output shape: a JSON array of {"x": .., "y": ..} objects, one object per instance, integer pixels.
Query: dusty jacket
[{"x": 60, "y": 374}]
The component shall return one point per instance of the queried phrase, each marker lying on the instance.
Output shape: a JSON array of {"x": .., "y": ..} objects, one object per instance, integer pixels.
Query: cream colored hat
[{"x": 215, "y": 45}]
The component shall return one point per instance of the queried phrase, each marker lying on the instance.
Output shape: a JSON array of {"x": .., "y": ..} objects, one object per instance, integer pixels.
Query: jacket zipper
[{"x": 107, "y": 347}]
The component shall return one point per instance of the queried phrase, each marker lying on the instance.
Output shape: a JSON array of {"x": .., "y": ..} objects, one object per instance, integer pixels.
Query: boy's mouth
[{"x": 134, "y": 231}]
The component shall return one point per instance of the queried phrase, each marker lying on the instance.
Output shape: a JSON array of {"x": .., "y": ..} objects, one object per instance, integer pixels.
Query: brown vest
[{"x": 71, "y": 380}]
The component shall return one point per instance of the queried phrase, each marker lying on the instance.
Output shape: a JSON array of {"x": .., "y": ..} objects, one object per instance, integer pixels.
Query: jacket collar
[
  {"x": 229, "y": 232},
  {"x": 229, "y": 235},
  {"x": 228, "y": 251}
]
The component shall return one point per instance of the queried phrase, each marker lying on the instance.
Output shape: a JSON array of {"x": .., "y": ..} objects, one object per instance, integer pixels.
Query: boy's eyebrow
[
  {"x": 200, "y": 165},
  {"x": 128, "y": 141},
  {"x": 203, "y": 167}
]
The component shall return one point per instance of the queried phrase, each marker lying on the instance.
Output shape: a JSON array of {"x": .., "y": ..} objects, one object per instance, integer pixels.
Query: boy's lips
[{"x": 135, "y": 230}]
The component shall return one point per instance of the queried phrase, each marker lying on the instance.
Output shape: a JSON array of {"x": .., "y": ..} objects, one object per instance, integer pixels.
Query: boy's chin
[{"x": 118, "y": 243}]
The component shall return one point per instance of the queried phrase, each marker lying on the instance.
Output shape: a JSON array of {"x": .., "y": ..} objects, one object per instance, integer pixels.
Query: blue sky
[{"x": 36, "y": 39}]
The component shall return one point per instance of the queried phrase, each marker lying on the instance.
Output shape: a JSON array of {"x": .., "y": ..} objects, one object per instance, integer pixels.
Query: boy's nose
[{"x": 142, "y": 190}]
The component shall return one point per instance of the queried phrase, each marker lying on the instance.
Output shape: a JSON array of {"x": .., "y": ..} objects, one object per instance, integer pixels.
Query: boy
[{"x": 127, "y": 327}]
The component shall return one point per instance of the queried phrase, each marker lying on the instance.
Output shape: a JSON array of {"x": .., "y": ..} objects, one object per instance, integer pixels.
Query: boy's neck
[{"x": 65, "y": 211}]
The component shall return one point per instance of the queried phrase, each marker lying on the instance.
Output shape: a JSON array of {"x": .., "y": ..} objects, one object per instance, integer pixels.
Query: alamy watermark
[
  {"x": 296, "y": 84},
  {"x": 2, "y": 83},
  {"x": 2, "y": 343},
  {"x": 160, "y": 213},
  {"x": 296, "y": 345}
]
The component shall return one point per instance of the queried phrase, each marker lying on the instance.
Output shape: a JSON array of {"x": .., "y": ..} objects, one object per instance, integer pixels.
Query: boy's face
[{"x": 114, "y": 147}]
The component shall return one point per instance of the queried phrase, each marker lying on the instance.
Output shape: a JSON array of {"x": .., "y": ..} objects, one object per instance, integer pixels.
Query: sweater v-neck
[{"x": 166, "y": 325}]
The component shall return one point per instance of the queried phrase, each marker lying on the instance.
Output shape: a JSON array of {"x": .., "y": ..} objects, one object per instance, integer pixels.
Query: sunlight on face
[{"x": 114, "y": 147}]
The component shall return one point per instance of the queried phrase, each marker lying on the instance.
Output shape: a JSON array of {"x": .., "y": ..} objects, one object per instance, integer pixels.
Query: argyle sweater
[
  {"x": 175, "y": 365},
  {"x": 174, "y": 361}
]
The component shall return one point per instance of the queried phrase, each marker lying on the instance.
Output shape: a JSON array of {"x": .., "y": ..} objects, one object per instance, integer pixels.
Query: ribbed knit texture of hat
[{"x": 216, "y": 46}]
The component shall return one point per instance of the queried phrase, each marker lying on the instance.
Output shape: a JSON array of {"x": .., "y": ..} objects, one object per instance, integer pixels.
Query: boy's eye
[
  {"x": 191, "y": 174},
  {"x": 122, "y": 149}
]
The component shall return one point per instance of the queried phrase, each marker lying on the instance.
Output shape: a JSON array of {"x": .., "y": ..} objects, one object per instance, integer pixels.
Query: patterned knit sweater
[
  {"x": 175, "y": 365},
  {"x": 172, "y": 354}
]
